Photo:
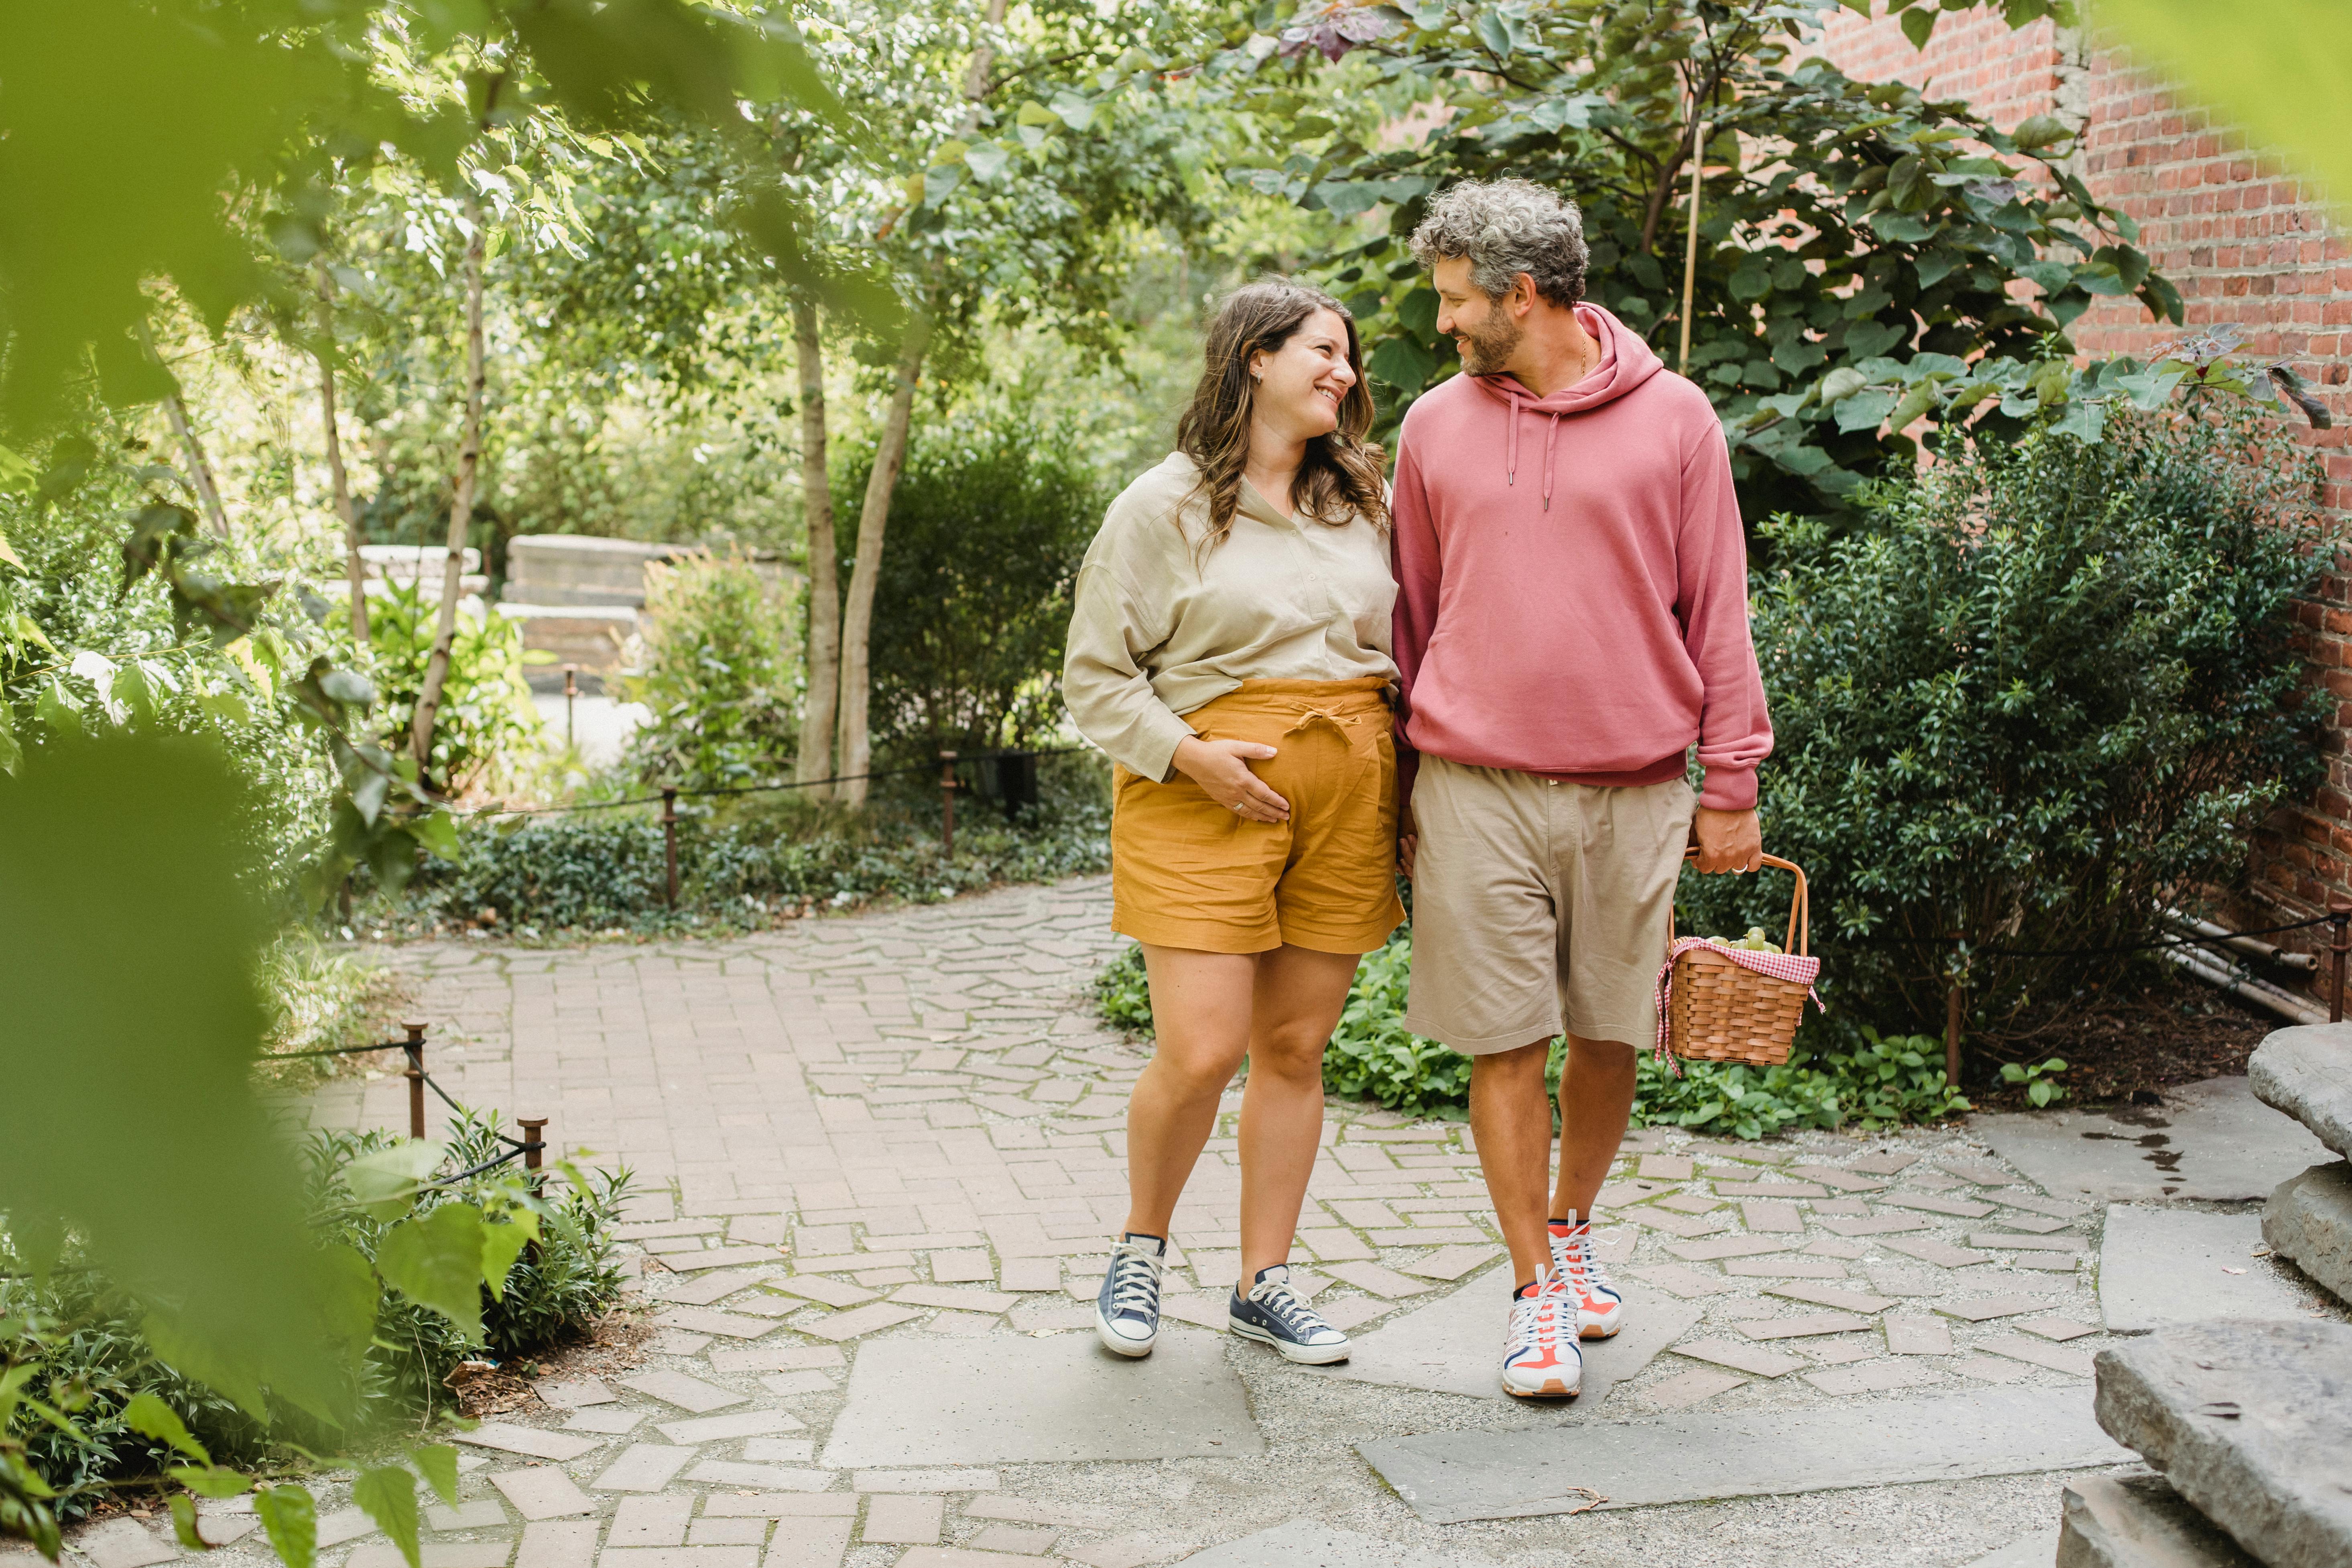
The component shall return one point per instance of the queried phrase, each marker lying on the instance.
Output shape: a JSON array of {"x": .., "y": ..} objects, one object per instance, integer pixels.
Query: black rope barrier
[
  {"x": 749, "y": 789},
  {"x": 330, "y": 1051},
  {"x": 2148, "y": 946}
]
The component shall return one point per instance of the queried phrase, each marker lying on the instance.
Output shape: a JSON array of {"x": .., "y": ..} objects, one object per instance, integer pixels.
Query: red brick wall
[{"x": 2244, "y": 242}]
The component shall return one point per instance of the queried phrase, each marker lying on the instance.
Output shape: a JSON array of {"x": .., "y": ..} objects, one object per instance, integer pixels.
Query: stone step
[
  {"x": 2307, "y": 1073},
  {"x": 2250, "y": 1424},
  {"x": 2309, "y": 1220},
  {"x": 2138, "y": 1521}
]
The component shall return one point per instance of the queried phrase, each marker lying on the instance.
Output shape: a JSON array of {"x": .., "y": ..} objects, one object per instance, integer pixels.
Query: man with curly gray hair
[{"x": 1562, "y": 648}]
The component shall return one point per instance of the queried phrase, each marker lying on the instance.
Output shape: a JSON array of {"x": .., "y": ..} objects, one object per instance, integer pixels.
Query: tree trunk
[
  {"x": 823, "y": 671},
  {"x": 353, "y": 567},
  {"x": 858, "y": 619},
  {"x": 461, "y": 508},
  {"x": 200, "y": 471}
]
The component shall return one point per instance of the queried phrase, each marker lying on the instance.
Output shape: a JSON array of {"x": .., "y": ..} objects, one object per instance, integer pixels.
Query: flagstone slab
[
  {"x": 1455, "y": 1344},
  {"x": 1449, "y": 1477},
  {"x": 686, "y": 1392},
  {"x": 2211, "y": 1140},
  {"x": 529, "y": 1441},
  {"x": 1451, "y": 1262},
  {"x": 542, "y": 1492},
  {"x": 1751, "y": 1359},
  {"x": 1304, "y": 1544},
  {"x": 2160, "y": 1267},
  {"x": 1003, "y": 1399}
]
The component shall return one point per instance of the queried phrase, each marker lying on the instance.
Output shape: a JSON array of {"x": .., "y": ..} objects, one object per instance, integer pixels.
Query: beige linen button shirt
[{"x": 1164, "y": 623}]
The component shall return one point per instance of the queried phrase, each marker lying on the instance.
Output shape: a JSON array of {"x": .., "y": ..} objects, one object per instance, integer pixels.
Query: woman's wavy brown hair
[{"x": 1340, "y": 479}]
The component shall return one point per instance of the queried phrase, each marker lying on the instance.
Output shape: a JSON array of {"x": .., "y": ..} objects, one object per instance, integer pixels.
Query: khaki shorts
[
  {"x": 1187, "y": 872},
  {"x": 1539, "y": 908}
]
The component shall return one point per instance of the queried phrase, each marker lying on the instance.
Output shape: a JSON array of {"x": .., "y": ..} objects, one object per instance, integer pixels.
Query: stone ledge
[
  {"x": 2248, "y": 1423},
  {"x": 2307, "y": 1073},
  {"x": 2309, "y": 1220},
  {"x": 2138, "y": 1521}
]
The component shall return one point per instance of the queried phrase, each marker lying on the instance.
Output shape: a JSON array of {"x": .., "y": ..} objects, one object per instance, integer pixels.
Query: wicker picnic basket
[{"x": 1719, "y": 1011}]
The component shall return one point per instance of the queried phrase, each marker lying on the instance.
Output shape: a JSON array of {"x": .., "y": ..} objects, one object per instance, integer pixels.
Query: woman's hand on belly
[{"x": 1221, "y": 769}]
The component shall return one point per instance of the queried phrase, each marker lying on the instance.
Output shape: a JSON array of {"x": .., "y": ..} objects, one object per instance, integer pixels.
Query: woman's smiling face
[{"x": 1301, "y": 384}]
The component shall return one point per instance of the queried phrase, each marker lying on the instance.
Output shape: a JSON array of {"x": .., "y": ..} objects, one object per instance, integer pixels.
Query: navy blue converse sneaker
[
  {"x": 1275, "y": 1315},
  {"x": 1127, "y": 1309}
]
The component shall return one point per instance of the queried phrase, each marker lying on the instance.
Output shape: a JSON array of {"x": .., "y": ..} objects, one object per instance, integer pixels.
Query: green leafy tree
[
  {"x": 1866, "y": 260},
  {"x": 974, "y": 603},
  {"x": 719, "y": 675}
]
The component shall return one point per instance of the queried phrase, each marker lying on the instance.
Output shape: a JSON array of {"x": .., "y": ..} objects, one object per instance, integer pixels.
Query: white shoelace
[
  {"x": 1535, "y": 1321},
  {"x": 1134, "y": 1279},
  {"x": 1281, "y": 1299},
  {"x": 1584, "y": 1265}
]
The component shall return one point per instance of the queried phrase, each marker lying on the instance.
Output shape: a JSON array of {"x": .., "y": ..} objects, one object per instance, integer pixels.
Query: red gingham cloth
[{"x": 1780, "y": 965}]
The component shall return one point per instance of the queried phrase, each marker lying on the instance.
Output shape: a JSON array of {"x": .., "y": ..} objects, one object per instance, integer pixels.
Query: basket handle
[{"x": 1801, "y": 918}]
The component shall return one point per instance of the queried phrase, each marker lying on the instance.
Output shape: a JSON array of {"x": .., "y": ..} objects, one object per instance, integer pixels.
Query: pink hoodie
[{"x": 1591, "y": 623}]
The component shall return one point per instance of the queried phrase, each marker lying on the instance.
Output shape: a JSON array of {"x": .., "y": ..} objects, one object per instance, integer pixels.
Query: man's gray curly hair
[{"x": 1506, "y": 228}]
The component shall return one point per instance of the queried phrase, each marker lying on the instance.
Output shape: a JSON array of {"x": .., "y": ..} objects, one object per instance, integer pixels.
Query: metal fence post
[
  {"x": 414, "y": 1047},
  {"x": 2339, "y": 915},
  {"x": 670, "y": 839},
  {"x": 571, "y": 692},
  {"x": 533, "y": 1139},
  {"x": 947, "y": 801}
]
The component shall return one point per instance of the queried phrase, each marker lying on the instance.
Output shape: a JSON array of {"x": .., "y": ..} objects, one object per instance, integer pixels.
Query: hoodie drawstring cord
[
  {"x": 1548, "y": 437},
  {"x": 1511, "y": 451}
]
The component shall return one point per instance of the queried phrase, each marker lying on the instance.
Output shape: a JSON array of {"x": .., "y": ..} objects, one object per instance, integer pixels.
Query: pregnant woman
[{"x": 1230, "y": 649}]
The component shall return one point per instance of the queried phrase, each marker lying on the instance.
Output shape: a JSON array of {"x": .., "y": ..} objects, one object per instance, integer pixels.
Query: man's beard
[{"x": 1486, "y": 349}]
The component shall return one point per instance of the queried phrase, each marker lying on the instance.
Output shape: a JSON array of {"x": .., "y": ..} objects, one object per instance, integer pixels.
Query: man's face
[{"x": 1484, "y": 330}]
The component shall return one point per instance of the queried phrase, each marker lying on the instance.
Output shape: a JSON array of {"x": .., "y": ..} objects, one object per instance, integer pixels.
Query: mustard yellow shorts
[{"x": 1187, "y": 872}]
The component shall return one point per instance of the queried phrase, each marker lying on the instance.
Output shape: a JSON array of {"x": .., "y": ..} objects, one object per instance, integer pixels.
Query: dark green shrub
[
  {"x": 971, "y": 610},
  {"x": 748, "y": 857},
  {"x": 486, "y": 721},
  {"x": 2039, "y": 689},
  {"x": 722, "y": 675}
]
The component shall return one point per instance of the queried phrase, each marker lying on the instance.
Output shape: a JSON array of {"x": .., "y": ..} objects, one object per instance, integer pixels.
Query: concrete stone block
[
  {"x": 2306, "y": 1072},
  {"x": 2309, "y": 1220},
  {"x": 2211, "y": 1140},
  {"x": 1448, "y": 1478},
  {"x": 1059, "y": 1398},
  {"x": 2160, "y": 1267},
  {"x": 1454, "y": 1344},
  {"x": 2138, "y": 1521},
  {"x": 2249, "y": 1424}
]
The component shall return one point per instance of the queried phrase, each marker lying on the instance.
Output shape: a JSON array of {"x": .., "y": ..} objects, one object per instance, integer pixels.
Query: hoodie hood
[{"x": 1625, "y": 362}]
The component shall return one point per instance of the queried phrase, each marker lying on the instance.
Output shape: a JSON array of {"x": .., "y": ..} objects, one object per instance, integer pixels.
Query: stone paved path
[{"x": 879, "y": 1157}]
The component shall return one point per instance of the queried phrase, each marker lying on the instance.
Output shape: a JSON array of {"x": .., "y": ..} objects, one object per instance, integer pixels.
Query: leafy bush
[
  {"x": 1372, "y": 1057},
  {"x": 721, "y": 675},
  {"x": 2039, "y": 689},
  {"x": 89, "y": 1355},
  {"x": 486, "y": 723},
  {"x": 749, "y": 859},
  {"x": 552, "y": 1292},
  {"x": 987, "y": 527}
]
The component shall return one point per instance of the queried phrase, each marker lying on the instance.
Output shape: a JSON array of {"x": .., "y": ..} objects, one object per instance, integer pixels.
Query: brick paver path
[{"x": 907, "y": 1126}]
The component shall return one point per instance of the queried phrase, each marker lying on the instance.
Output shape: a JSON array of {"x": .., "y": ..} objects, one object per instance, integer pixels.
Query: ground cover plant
[
  {"x": 747, "y": 861},
  {"x": 1839, "y": 1076}
]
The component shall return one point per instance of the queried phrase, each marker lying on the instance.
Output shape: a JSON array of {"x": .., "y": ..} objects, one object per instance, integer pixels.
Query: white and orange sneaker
[
  {"x": 1600, "y": 1305},
  {"x": 1540, "y": 1358}
]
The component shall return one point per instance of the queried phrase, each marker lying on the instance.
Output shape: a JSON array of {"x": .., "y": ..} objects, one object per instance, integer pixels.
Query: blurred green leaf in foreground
[
  {"x": 127, "y": 952},
  {"x": 2282, "y": 71}
]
